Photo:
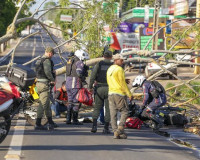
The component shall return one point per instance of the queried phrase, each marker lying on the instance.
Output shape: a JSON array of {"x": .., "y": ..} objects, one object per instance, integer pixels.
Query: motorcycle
[
  {"x": 10, "y": 106},
  {"x": 160, "y": 116}
]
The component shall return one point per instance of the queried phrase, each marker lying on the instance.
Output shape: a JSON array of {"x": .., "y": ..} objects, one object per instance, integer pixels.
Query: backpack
[
  {"x": 157, "y": 89},
  {"x": 133, "y": 122},
  {"x": 175, "y": 118}
]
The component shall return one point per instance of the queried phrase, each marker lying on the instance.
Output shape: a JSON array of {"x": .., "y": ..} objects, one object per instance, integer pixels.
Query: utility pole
[
  {"x": 197, "y": 60},
  {"x": 156, "y": 24}
]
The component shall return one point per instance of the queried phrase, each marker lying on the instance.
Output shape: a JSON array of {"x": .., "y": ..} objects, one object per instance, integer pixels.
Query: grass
[{"x": 184, "y": 93}]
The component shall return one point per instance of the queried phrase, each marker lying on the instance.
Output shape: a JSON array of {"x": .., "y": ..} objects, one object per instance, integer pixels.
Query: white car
[
  {"x": 152, "y": 68},
  {"x": 24, "y": 32}
]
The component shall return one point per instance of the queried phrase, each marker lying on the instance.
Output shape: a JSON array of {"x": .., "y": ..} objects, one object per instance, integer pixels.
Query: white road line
[
  {"x": 33, "y": 53},
  {"x": 14, "y": 151}
]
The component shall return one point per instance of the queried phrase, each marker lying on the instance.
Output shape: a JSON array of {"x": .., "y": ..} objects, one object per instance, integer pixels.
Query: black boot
[
  {"x": 94, "y": 126},
  {"x": 158, "y": 122},
  {"x": 69, "y": 116},
  {"x": 75, "y": 119},
  {"x": 38, "y": 125},
  {"x": 106, "y": 128},
  {"x": 52, "y": 125}
]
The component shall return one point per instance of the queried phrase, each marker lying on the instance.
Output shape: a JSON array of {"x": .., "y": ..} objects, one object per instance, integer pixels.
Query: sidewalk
[{"x": 183, "y": 139}]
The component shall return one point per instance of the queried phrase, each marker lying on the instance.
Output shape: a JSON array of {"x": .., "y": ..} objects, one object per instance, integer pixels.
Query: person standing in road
[
  {"x": 117, "y": 96},
  {"x": 75, "y": 73},
  {"x": 45, "y": 79},
  {"x": 98, "y": 78},
  {"x": 60, "y": 100}
]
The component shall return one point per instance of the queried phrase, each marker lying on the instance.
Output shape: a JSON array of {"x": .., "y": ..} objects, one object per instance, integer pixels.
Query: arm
[
  {"x": 93, "y": 75},
  {"x": 79, "y": 68},
  {"x": 57, "y": 94},
  {"x": 121, "y": 76},
  {"x": 146, "y": 95},
  {"x": 47, "y": 70}
]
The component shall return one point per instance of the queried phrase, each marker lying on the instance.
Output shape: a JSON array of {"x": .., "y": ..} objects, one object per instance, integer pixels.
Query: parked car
[
  {"x": 152, "y": 68},
  {"x": 135, "y": 65},
  {"x": 24, "y": 32},
  {"x": 183, "y": 57}
]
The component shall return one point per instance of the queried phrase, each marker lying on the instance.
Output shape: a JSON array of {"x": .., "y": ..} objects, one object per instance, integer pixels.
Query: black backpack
[{"x": 157, "y": 89}]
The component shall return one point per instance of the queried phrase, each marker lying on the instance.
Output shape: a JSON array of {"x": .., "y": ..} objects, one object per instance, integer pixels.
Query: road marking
[
  {"x": 14, "y": 151},
  {"x": 33, "y": 53}
]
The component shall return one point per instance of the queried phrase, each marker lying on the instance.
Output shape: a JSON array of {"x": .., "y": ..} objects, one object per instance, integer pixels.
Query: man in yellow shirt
[{"x": 117, "y": 96}]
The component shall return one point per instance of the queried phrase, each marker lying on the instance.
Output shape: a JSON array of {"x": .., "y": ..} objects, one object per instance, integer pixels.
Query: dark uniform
[
  {"x": 98, "y": 78},
  {"x": 45, "y": 75},
  {"x": 75, "y": 75},
  {"x": 150, "y": 102}
]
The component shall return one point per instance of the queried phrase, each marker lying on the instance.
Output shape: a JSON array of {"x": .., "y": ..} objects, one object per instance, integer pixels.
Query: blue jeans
[{"x": 58, "y": 108}]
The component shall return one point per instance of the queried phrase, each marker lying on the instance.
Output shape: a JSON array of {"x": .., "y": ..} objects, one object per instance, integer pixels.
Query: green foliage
[
  {"x": 52, "y": 14},
  {"x": 95, "y": 17},
  {"x": 7, "y": 13},
  {"x": 129, "y": 4},
  {"x": 184, "y": 93}
]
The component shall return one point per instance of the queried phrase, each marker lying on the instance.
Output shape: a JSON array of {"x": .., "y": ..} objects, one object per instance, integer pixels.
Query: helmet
[
  {"x": 82, "y": 55},
  {"x": 138, "y": 81}
]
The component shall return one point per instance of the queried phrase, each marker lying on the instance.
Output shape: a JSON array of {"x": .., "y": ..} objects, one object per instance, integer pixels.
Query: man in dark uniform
[
  {"x": 98, "y": 79},
  {"x": 75, "y": 69},
  {"x": 45, "y": 78},
  {"x": 60, "y": 100},
  {"x": 152, "y": 99}
]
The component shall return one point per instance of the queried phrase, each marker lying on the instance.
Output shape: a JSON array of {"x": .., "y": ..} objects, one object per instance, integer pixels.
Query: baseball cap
[
  {"x": 118, "y": 56},
  {"x": 49, "y": 49},
  {"x": 108, "y": 53}
]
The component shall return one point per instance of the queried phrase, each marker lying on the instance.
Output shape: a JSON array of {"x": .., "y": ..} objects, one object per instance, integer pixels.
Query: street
[{"x": 77, "y": 142}]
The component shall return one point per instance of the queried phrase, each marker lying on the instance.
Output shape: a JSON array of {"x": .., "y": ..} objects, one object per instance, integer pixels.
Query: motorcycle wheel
[
  {"x": 33, "y": 121},
  {"x": 4, "y": 127}
]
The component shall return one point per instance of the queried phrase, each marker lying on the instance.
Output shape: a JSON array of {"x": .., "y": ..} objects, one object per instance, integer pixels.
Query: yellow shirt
[{"x": 116, "y": 81}]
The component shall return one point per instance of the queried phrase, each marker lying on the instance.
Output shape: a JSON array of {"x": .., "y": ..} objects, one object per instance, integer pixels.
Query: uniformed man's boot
[
  {"x": 75, "y": 119},
  {"x": 38, "y": 125},
  {"x": 94, "y": 126},
  {"x": 69, "y": 116},
  {"x": 122, "y": 134},
  {"x": 52, "y": 125},
  {"x": 106, "y": 128}
]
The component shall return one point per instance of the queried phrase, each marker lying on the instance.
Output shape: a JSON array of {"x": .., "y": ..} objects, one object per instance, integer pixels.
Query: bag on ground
[
  {"x": 175, "y": 118},
  {"x": 134, "y": 122},
  {"x": 85, "y": 97}
]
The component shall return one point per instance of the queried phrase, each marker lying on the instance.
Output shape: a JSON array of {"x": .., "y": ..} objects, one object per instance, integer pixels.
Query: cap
[
  {"x": 49, "y": 49},
  {"x": 118, "y": 56},
  {"x": 107, "y": 53}
]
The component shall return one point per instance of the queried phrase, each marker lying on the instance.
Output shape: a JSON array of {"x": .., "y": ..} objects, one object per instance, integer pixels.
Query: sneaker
[{"x": 41, "y": 127}]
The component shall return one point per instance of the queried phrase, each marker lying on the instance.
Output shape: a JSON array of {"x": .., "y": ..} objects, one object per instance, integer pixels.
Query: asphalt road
[{"x": 76, "y": 142}]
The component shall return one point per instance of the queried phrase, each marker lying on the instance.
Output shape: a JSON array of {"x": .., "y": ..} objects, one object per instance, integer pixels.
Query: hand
[
  {"x": 127, "y": 81},
  {"x": 52, "y": 83},
  {"x": 131, "y": 98},
  {"x": 142, "y": 107},
  {"x": 91, "y": 91}
]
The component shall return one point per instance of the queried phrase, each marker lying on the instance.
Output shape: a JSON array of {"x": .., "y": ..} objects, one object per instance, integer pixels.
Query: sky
[{"x": 38, "y": 2}]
